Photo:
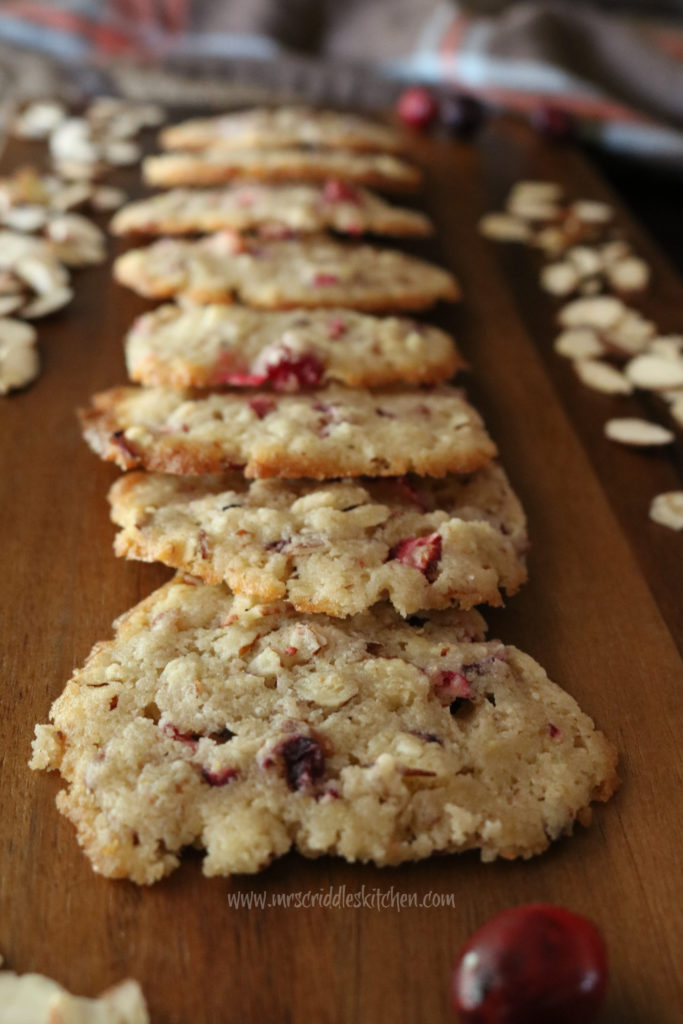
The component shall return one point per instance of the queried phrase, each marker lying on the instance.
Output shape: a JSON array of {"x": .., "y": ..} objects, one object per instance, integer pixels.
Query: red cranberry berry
[
  {"x": 553, "y": 123},
  {"x": 261, "y": 405},
  {"x": 533, "y": 964},
  {"x": 296, "y": 373},
  {"x": 304, "y": 761},
  {"x": 337, "y": 191},
  {"x": 417, "y": 108},
  {"x": 461, "y": 115},
  {"x": 423, "y": 553}
]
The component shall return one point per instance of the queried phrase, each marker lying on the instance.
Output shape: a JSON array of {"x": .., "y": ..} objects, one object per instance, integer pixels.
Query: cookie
[
  {"x": 282, "y": 127},
  {"x": 315, "y": 272},
  {"x": 321, "y": 434},
  {"x": 269, "y": 209},
  {"x": 217, "y": 345},
  {"x": 35, "y": 999},
  {"x": 247, "y": 731},
  {"x": 335, "y": 547},
  {"x": 215, "y": 166}
]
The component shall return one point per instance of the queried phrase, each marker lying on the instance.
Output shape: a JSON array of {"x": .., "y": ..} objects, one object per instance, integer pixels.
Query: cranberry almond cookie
[
  {"x": 248, "y": 730},
  {"x": 218, "y": 345},
  {"x": 216, "y": 166},
  {"x": 310, "y": 272},
  {"x": 269, "y": 209},
  {"x": 338, "y": 547},
  {"x": 280, "y": 127},
  {"x": 323, "y": 434}
]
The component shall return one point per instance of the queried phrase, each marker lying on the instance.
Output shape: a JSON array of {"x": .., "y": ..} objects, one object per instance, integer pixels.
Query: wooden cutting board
[{"x": 602, "y": 612}]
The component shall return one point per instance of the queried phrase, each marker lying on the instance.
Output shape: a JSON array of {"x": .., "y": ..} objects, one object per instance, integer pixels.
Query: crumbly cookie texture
[
  {"x": 215, "y": 166},
  {"x": 248, "y": 730},
  {"x": 35, "y": 999},
  {"x": 268, "y": 128},
  {"x": 320, "y": 434},
  {"x": 219, "y": 345},
  {"x": 335, "y": 547},
  {"x": 283, "y": 274},
  {"x": 269, "y": 209}
]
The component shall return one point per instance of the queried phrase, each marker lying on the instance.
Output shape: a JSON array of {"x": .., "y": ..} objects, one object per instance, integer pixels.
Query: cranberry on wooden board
[
  {"x": 553, "y": 123},
  {"x": 534, "y": 964},
  {"x": 417, "y": 108}
]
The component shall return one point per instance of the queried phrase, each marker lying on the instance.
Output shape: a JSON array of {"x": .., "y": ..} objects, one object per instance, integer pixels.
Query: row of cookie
[{"x": 245, "y": 727}]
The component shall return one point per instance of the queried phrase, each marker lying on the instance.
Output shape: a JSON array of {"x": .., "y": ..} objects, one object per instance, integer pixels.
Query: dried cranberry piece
[
  {"x": 304, "y": 761},
  {"x": 182, "y": 737},
  {"x": 336, "y": 328},
  {"x": 532, "y": 964},
  {"x": 553, "y": 731},
  {"x": 417, "y": 108},
  {"x": 422, "y": 553},
  {"x": 449, "y": 686},
  {"x": 337, "y": 191},
  {"x": 261, "y": 405},
  {"x": 219, "y": 778},
  {"x": 294, "y": 373},
  {"x": 322, "y": 280}
]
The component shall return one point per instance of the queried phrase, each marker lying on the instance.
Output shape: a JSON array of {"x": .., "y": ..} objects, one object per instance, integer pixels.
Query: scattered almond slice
[
  {"x": 25, "y": 218},
  {"x": 579, "y": 343},
  {"x": 539, "y": 191},
  {"x": 591, "y": 211},
  {"x": 122, "y": 153},
  {"x": 47, "y": 303},
  {"x": 634, "y": 431},
  {"x": 670, "y": 346},
  {"x": 19, "y": 362},
  {"x": 69, "y": 197},
  {"x": 42, "y": 273},
  {"x": 676, "y": 410},
  {"x": 528, "y": 208},
  {"x": 615, "y": 250},
  {"x": 10, "y": 303},
  {"x": 551, "y": 240},
  {"x": 586, "y": 260},
  {"x": 667, "y": 509},
  {"x": 38, "y": 119},
  {"x": 503, "y": 227},
  {"x": 655, "y": 372},
  {"x": 602, "y": 377},
  {"x": 631, "y": 335},
  {"x": 559, "y": 278},
  {"x": 106, "y": 197},
  {"x": 76, "y": 240},
  {"x": 79, "y": 170},
  {"x": 631, "y": 274},
  {"x": 599, "y": 311}
]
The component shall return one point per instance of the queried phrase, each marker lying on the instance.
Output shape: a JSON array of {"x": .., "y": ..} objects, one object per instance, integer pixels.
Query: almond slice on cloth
[
  {"x": 503, "y": 227},
  {"x": 634, "y": 431},
  {"x": 602, "y": 377},
  {"x": 599, "y": 311},
  {"x": 579, "y": 343},
  {"x": 19, "y": 362},
  {"x": 655, "y": 372},
  {"x": 667, "y": 509}
]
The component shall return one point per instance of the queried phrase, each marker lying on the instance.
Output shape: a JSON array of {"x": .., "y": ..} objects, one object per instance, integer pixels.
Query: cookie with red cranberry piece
[
  {"x": 219, "y": 345},
  {"x": 282, "y": 127},
  {"x": 308, "y": 272},
  {"x": 246, "y": 730},
  {"x": 216, "y": 166},
  {"x": 335, "y": 547},
  {"x": 272, "y": 210},
  {"x": 324, "y": 434}
]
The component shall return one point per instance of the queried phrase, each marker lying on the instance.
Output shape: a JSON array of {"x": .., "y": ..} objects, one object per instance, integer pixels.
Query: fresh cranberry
[
  {"x": 304, "y": 761},
  {"x": 261, "y": 405},
  {"x": 553, "y": 123},
  {"x": 461, "y": 115},
  {"x": 337, "y": 191},
  {"x": 534, "y": 964},
  {"x": 294, "y": 373},
  {"x": 417, "y": 108},
  {"x": 423, "y": 553}
]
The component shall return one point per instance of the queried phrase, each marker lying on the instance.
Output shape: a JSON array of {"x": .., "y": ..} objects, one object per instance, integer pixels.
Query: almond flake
[
  {"x": 631, "y": 335},
  {"x": 628, "y": 275},
  {"x": 670, "y": 346},
  {"x": 590, "y": 211},
  {"x": 667, "y": 509},
  {"x": 106, "y": 197},
  {"x": 600, "y": 312},
  {"x": 122, "y": 153},
  {"x": 48, "y": 303},
  {"x": 631, "y": 430},
  {"x": 25, "y": 218},
  {"x": 539, "y": 191},
  {"x": 11, "y": 303},
  {"x": 676, "y": 410},
  {"x": 70, "y": 196},
  {"x": 533, "y": 209},
  {"x": 42, "y": 273},
  {"x": 586, "y": 261},
  {"x": 503, "y": 227},
  {"x": 615, "y": 250},
  {"x": 602, "y": 377},
  {"x": 19, "y": 363},
  {"x": 655, "y": 372},
  {"x": 579, "y": 343},
  {"x": 559, "y": 278},
  {"x": 38, "y": 119}
]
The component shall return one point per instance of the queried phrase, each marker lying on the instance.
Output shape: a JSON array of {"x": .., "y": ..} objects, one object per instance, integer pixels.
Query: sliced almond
[
  {"x": 528, "y": 208},
  {"x": 670, "y": 346},
  {"x": 42, "y": 273},
  {"x": 591, "y": 211},
  {"x": 667, "y": 509},
  {"x": 559, "y": 278},
  {"x": 631, "y": 335},
  {"x": 630, "y": 274},
  {"x": 72, "y": 142},
  {"x": 552, "y": 240},
  {"x": 503, "y": 227},
  {"x": 614, "y": 250},
  {"x": 541, "y": 191},
  {"x": 11, "y": 303},
  {"x": 631, "y": 430},
  {"x": 106, "y": 197},
  {"x": 74, "y": 228},
  {"x": 655, "y": 372},
  {"x": 38, "y": 119},
  {"x": 48, "y": 303},
  {"x": 25, "y": 218},
  {"x": 676, "y": 410},
  {"x": 19, "y": 362},
  {"x": 122, "y": 153},
  {"x": 69, "y": 197},
  {"x": 602, "y": 377},
  {"x": 600, "y": 312},
  {"x": 585, "y": 259},
  {"x": 579, "y": 343}
]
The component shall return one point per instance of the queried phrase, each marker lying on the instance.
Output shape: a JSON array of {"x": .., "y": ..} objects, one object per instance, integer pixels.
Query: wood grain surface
[{"x": 602, "y": 612}]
